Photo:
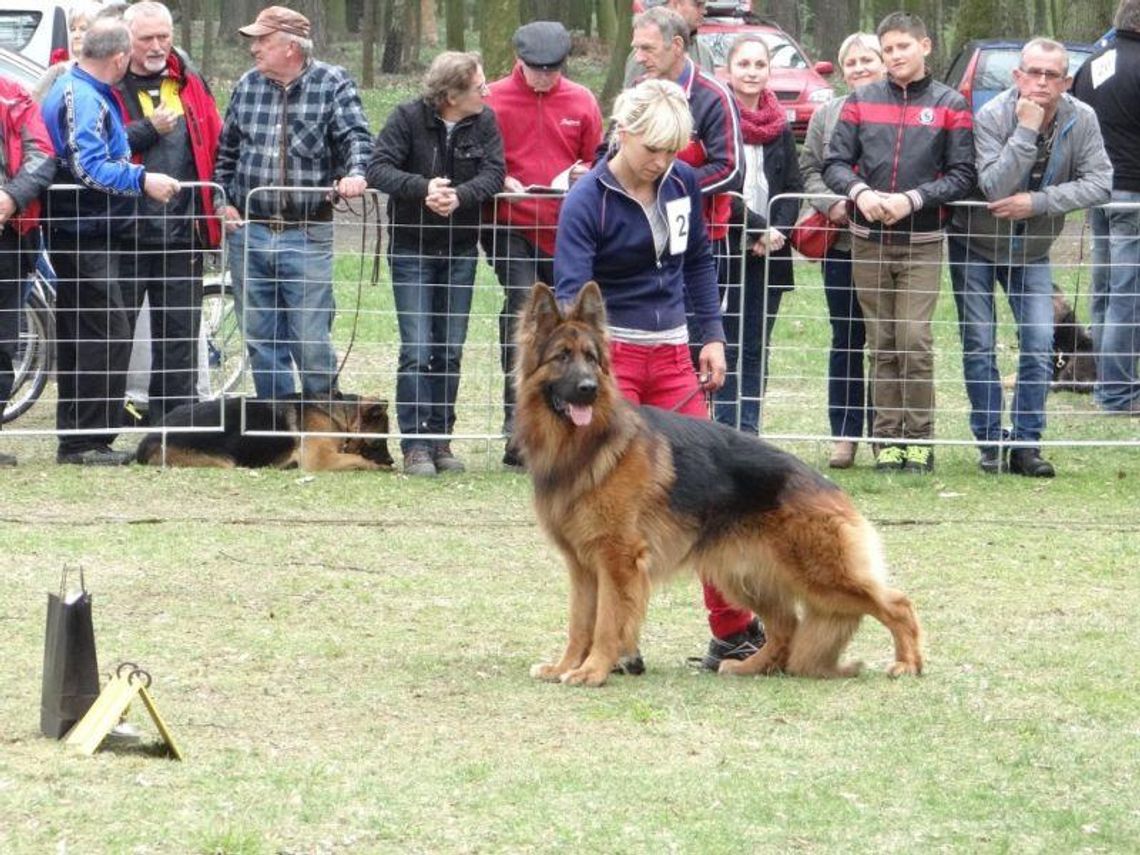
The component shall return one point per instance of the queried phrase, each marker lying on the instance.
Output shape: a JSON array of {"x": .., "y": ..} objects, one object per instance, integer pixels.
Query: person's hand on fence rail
[
  {"x": 161, "y": 188},
  {"x": 896, "y": 206},
  {"x": 1019, "y": 206},
  {"x": 351, "y": 186}
]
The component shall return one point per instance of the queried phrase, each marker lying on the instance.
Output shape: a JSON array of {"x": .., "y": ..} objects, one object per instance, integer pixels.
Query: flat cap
[
  {"x": 278, "y": 19},
  {"x": 542, "y": 44}
]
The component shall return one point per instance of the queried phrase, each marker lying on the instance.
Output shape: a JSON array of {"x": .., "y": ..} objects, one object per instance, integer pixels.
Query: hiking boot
[
  {"x": 444, "y": 460},
  {"x": 738, "y": 646},
  {"x": 102, "y": 455},
  {"x": 842, "y": 454},
  {"x": 631, "y": 666},
  {"x": 513, "y": 460},
  {"x": 919, "y": 458},
  {"x": 1029, "y": 462},
  {"x": 7, "y": 460},
  {"x": 418, "y": 462},
  {"x": 891, "y": 457},
  {"x": 993, "y": 459}
]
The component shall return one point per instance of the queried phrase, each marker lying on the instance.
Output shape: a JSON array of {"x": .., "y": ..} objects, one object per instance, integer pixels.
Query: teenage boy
[{"x": 902, "y": 149}]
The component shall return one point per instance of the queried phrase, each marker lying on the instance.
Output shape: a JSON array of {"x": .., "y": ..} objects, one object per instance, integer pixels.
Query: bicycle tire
[
  {"x": 35, "y": 355},
  {"x": 226, "y": 355}
]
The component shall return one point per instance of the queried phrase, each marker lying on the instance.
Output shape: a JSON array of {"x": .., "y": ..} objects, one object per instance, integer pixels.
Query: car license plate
[{"x": 791, "y": 116}]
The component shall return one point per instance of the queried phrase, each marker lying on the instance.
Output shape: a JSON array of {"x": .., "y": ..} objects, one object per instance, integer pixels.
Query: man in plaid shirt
[{"x": 292, "y": 121}]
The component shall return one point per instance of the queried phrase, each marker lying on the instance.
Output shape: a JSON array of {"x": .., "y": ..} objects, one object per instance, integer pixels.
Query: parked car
[
  {"x": 33, "y": 28},
  {"x": 984, "y": 67},
  {"x": 799, "y": 84},
  {"x": 16, "y": 66}
]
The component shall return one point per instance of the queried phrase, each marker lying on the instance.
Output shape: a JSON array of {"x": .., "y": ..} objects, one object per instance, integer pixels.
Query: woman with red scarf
[{"x": 771, "y": 169}]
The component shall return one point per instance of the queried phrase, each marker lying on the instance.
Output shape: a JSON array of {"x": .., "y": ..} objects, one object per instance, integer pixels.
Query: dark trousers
[
  {"x": 94, "y": 341},
  {"x": 15, "y": 261},
  {"x": 518, "y": 264},
  {"x": 849, "y": 408},
  {"x": 171, "y": 278}
]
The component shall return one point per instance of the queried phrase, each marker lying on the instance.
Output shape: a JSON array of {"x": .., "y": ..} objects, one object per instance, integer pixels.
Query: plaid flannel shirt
[{"x": 328, "y": 139}]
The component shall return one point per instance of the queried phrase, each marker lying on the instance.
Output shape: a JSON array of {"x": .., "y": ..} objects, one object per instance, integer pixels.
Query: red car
[{"x": 799, "y": 84}]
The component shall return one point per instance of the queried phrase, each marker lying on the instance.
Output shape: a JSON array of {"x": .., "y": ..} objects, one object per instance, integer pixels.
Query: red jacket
[
  {"x": 23, "y": 125},
  {"x": 204, "y": 125},
  {"x": 543, "y": 134}
]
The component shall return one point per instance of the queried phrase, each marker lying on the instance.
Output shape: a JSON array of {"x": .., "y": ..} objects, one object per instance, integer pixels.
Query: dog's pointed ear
[
  {"x": 590, "y": 307},
  {"x": 541, "y": 310}
]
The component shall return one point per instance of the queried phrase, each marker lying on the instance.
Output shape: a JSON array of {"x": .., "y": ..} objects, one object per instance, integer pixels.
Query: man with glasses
[
  {"x": 1109, "y": 82},
  {"x": 551, "y": 127},
  {"x": 1039, "y": 155}
]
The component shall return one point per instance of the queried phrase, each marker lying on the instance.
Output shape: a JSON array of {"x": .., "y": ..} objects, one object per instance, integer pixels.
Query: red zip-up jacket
[
  {"x": 29, "y": 158},
  {"x": 543, "y": 134},
  {"x": 916, "y": 140}
]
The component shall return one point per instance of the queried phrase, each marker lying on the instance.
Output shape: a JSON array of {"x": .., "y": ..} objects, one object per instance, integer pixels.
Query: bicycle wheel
[
  {"x": 35, "y": 354},
  {"x": 224, "y": 357}
]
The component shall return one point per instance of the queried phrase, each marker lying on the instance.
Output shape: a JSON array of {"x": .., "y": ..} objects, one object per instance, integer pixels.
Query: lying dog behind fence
[
  {"x": 631, "y": 495},
  {"x": 231, "y": 447}
]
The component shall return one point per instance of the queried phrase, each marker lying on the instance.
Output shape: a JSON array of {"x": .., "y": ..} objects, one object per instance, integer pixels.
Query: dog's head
[
  {"x": 563, "y": 354},
  {"x": 367, "y": 416}
]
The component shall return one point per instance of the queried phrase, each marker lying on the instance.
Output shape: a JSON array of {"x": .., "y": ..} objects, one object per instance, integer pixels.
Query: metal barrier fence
[{"x": 428, "y": 328}]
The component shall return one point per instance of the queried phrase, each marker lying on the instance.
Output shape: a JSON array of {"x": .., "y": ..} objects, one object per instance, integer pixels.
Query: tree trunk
[
  {"x": 235, "y": 14},
  {"x": 368, "y": 23},
  {"x": 607, "y": 23},
  {"x": 616, "y": 75},
  {"x": 787, "y": 14},
  {"x": 1085, "y": 21},
  {"x": 428, "y": 22},
  {"x": 315, "y": 11},
  {"x": 336, "y": 18},
  {"x": 500, "y": 20},
  {"x": 832, "y": 22},
  {"x": 455, "y": 25}
]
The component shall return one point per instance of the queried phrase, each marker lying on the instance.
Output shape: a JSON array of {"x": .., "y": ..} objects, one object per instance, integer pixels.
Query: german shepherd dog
[
  {"x": 230, "y": 447},
  {"x": 631, "y": 495}
]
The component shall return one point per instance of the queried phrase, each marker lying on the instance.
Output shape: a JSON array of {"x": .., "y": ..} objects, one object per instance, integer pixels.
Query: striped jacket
[{"x": 917, "y": 140}]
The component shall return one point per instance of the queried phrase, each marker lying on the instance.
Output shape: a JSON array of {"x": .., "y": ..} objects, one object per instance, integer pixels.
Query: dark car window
[
  {"x": 784, "y": 53},
  {"x": 17, "y": 27},
  {"x": 958, "y": 68},
  {"x": 995, "y": 67}
]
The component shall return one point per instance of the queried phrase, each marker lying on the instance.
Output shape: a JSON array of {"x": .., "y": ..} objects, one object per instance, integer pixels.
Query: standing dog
[
  {"x": 631, "y": 495},
  {"x": 284, "y": 449}
]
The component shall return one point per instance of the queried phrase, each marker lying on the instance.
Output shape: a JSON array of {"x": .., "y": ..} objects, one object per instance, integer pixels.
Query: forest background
[{"x": 377, "y": 39}]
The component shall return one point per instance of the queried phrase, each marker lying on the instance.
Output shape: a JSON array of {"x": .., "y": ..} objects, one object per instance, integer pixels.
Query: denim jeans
[
  {"x": 1029, "y": 289},
  {"x": 849, "y": 407},
  {"x": 283, "y": 281},
  {"x": 1115, "y": 303},
  {"x": 433, "y": 304},
  {"x": 745, "y": 350}
]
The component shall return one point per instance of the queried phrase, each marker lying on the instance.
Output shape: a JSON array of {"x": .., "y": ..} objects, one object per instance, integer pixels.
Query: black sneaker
[
  {"x": 631, "y": 666},
  {"x": 103, "y": 455},
  {"x": 1029, "y": 462},
  {"x": 919, "y": 458},
  {"x": 993, "y": 459},
  {"x": 890, "y": 457},
  {"x": 444, "y": 460},
  {"x": 738, "y": 646}
]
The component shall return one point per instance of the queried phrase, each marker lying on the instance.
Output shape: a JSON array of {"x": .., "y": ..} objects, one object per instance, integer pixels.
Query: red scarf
[{"x": 764, "y": 124}]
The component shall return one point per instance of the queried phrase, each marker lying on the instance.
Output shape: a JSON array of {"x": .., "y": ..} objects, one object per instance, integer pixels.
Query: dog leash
[
  {"x": 702, "y": 379},
  {"x": 343, "y": 205}
]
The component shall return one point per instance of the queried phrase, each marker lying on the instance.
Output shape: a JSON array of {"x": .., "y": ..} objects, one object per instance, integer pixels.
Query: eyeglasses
[
  {"x": 1049, "y": 74},
  {"x": 481, "y": 88}
]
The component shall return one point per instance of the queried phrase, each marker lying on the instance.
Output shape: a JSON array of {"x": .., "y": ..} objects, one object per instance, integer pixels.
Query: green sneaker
[
  {"x": 919, "y": 458},
  {"x": 890, "y": 457}
]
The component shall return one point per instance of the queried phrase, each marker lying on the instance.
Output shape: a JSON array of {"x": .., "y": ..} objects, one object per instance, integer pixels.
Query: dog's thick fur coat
[
  {"x": 630, "y": 495},
  {"x": 231, "y": 447}
]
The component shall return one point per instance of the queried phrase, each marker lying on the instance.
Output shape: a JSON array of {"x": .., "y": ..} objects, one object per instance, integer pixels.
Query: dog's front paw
[
  {"x": 900, "y": 669},
  {"x": 586, "y": 676},
  {"x": 546, "y": 672}
]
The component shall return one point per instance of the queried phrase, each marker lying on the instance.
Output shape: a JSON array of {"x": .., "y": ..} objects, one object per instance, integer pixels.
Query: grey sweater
[
  {"x": 1078, "y": 175},
  {"x": 812, "y": 155}
]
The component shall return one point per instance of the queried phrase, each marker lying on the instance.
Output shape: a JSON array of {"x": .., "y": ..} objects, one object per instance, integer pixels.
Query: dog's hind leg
[
  {"x": 583, "y": 606},
  {"x": 818, "y": 642}
]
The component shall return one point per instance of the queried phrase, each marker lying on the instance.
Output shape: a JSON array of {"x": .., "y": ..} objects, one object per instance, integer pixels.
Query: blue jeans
[
  {"x": 748, "y": 352},
  {"x": 433, "y": 304},
  {"x": 284, "y": 282},
  {"x": 1115, "y": 303},
  {"x": 1030, "y": 291},
  {"x": 848, "y": 404}
]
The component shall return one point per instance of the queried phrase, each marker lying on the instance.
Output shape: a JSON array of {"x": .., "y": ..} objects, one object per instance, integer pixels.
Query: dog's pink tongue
[{"x": 581, "y": 414}]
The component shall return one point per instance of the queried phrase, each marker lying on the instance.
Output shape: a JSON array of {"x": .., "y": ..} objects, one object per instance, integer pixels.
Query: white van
[{"x": 33, "y": 28}]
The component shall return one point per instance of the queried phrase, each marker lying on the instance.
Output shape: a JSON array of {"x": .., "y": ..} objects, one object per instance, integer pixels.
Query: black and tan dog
[
  {"x": 631, "y": 495},
  {"x": 284, "y": 449}
]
